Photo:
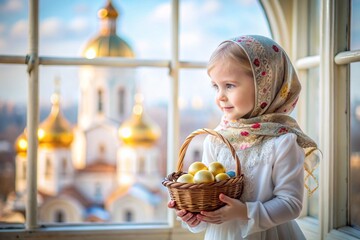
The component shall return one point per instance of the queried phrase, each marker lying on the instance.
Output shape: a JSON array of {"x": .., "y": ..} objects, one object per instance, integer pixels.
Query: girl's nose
[{"x": 221, "y": 96}]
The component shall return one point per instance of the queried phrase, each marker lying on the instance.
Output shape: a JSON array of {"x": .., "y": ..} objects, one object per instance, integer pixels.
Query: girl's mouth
[{"x": 227, "y": 108}]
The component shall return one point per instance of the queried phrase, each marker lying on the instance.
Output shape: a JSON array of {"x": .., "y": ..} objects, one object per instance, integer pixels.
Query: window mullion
[
  {"x": 173, "y": 113},
  {"x": 32, "y": 115}
]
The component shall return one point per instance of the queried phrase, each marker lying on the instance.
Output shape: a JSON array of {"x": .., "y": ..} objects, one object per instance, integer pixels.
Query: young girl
[{"x": 256, "y": 89}]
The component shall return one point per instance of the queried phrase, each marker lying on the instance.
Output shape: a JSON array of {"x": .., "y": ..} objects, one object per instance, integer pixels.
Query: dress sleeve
[
  {"x": 207, "y": 157},
  {"x": 288, "y": 181}
]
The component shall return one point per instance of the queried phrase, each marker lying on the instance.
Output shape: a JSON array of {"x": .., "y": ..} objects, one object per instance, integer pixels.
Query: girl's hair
[{"x": 230, "y": 51}]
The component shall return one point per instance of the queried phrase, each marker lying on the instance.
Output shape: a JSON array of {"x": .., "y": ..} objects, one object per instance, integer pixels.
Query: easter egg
[
  {"x": 231, "y": 173},
  {"x": 221, "y": 176},
  {"x": 204, "y": 176},
  {"x": 195, "y": 167},
  {"x": 186, "y": 178},
  {"x": 215, "y": 168}
]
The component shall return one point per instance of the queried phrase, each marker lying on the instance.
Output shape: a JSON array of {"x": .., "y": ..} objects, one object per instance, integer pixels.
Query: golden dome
[
  {"x": 139, "y": 130},
  {"x": 21, "y": 144},
  {"x": 107, "y": 43},
  {"x": 55, "y": 130},
  {"x": 107, "y": 46}
]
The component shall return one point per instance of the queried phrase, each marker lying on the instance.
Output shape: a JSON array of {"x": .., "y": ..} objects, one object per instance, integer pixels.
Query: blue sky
[{"x": 67, "y": 25}]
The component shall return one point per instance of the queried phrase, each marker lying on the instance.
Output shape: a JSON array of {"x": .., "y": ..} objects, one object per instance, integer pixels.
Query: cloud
[
  {"x": 247, "y": 2},
  {"x": 51, "y": 28},
  {"x": 20, "y": 29},
  {"x": 161, "y": 13},
  {"x": 81, "y": 8},
  {"x": 190, "y": 39},
  {"x": 79, "y": 25},
  {"x": 12, "y": 6},
  {"x": 2, "y": 43},
  {"x": 211, "y": 6},
  {"x": 2, "y": 28}
]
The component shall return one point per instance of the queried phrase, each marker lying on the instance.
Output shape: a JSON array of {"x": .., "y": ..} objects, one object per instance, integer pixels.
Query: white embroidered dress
[{"x": 273, "y": 190}]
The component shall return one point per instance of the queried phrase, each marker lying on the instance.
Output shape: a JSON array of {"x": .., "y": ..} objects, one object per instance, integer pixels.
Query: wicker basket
[{"x": 195, "y": 197}]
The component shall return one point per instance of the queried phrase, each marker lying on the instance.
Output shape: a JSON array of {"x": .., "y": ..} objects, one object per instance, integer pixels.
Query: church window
[
  {"x": 98, "y": 193},
  {"x": 64, "y": 166},
  {"x": 100, "y": 103},
  {"x": 142, "y": 165},
  {"x": 121, "y": 101},
  {"x": 59, "y": 216},
  {"x": 129, "y": 216},
  {"x": 102, "y": 151},
  {"x": 23, "y": 171},
  {"x": 48, "y": 168}
]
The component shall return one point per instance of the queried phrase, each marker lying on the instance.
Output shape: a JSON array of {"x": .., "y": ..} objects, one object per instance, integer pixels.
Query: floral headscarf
[{"x": 277, "y": 92}]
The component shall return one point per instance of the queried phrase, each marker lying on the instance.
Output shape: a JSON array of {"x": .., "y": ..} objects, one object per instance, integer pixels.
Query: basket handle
[{"x": 187, "y": 141}]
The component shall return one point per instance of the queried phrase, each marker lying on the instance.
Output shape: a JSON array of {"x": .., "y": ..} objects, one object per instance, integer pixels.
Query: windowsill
[
  {"x": 344, "y": 233},
  {"x": 310, "y": 227},
  {"x": 96, "y": 231},
  {"x": 100, "y": 231}
]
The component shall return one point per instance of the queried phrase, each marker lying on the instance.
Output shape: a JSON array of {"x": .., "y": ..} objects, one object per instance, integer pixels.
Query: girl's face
[{"x": 235, "y": 89}]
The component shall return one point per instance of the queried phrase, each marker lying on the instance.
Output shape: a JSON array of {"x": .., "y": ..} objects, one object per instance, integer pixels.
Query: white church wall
[
  {"x": 87, "y": 184},
  {"x": 104, "y": 143},
  {"x": 72, "y": 210},
  {"x": 141, "y": 210},
  {"x": 78, "y": 148}
]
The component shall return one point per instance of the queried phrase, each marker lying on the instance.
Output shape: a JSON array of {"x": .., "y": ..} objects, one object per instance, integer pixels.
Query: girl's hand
[
  {"x": 234, "y": 209},
  {"x": 188, "y": 217}
]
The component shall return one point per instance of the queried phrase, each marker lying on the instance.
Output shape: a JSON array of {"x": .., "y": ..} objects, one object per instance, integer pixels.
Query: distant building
[{"x": 97, "y": 171}]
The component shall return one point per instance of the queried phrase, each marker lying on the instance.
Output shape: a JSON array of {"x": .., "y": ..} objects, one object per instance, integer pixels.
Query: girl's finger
[
  {"x": 171, "y": 204},
  {"x": 181, "y": 213},
  {"x": 194, "y": 222},
  {"x": 225, "y": 199}
]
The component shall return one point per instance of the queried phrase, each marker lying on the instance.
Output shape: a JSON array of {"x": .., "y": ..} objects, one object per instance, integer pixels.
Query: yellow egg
[
  {"x": 195, "y": 167},
  {"x": 215, "y": 168},
  {"x": 204, "y": 176},
  {"x": 186, "y": 178},
  {"x": 221, "y": 176}
]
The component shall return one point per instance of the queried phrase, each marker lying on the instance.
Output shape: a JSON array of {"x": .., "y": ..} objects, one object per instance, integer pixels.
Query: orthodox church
[{"x": 104, "y": 169}]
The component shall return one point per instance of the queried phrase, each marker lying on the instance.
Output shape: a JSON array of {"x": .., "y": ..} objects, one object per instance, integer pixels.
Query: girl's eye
[
  {"x": 215, "y": 87},
  {"x": 229, "y": 86}
]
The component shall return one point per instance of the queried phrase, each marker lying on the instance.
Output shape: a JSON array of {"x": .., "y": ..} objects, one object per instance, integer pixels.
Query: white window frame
[{"x": 334, "y": 143}]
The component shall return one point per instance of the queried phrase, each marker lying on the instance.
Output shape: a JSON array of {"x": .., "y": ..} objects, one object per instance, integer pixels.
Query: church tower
[
  {"x": 138, "y": 157},
  {"x": 55, "y": 169},
  {"x": 106, "y": 94}
]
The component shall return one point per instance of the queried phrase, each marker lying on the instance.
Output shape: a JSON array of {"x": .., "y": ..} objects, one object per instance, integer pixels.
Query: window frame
[{"x": 334, "y": 142}]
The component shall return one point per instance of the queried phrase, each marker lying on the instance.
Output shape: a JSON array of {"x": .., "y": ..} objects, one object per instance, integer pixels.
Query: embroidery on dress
[{"x": 249, "y": 159}]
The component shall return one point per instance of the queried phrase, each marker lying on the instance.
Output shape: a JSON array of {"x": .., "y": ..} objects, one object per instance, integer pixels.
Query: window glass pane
[
  {"x": 13, "y": 91},
  {"x": 103, "y": 166},
  {"x": 355, "y": 147},
  {"x": 14, "y": 27},
  {"x": 354, "y": 188},
  {"x": 75, "y": 26},
  {"x": 314, "y": 27},
  {"x": 355, "y": 30},
  {"x": 204, "y": 24},
  {"x": 313, "y": 126},
  {"x": 197, "y": 110}
]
